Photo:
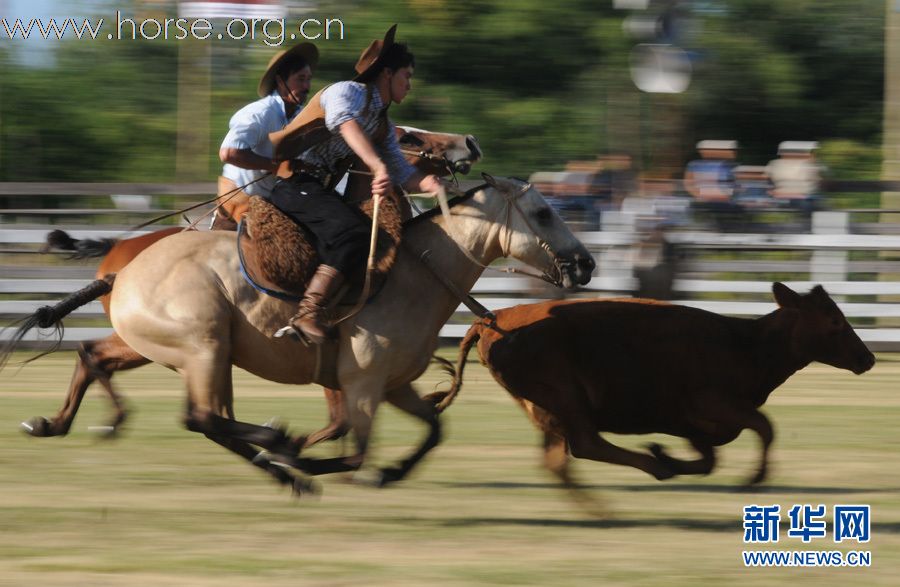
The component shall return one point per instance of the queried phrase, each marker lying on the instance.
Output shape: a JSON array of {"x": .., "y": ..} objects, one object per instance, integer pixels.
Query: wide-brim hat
[
  {"x": 307, "y": 51},
  {"x": 372, "y": 58}
]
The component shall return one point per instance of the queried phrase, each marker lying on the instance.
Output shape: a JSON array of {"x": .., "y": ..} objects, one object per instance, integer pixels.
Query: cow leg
[
  {"x": 337, "y": 420},
  {"x": 758, "y": 422},
  {"x": 556, "y": 458},
  {"x": 702, "y": 466}
]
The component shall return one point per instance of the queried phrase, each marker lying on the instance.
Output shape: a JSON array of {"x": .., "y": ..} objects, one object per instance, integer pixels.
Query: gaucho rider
[
  {"x": 345, "y": 119},
  {"x": 246, "y": 150}
]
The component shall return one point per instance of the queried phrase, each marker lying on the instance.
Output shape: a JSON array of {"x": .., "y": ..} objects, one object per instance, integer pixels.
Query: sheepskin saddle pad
[{"x": 278, "y": 254}]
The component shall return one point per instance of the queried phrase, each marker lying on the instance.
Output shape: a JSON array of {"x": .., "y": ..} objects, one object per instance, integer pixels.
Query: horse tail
[
  {"x": 51, "y": 316},
  {"x": 443, "y": 399},
  {"x": 83, "y": 248}
]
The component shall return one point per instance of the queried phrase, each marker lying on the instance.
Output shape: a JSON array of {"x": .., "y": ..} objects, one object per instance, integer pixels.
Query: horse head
[
  {"x": 439, "y": 153},
  {"x": 532, "y": 232}
]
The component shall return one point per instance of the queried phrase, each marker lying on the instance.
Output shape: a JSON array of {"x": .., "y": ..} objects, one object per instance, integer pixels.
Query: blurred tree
[{"x": 538, "y": 82}]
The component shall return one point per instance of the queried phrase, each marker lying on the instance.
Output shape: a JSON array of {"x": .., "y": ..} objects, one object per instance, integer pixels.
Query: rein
[
  {"x": 511, "y": 202},
  {"x": 225, "y": 198}
]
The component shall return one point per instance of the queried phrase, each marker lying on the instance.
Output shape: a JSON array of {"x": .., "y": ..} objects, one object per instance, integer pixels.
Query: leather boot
[{"x": 309, "y": 319}]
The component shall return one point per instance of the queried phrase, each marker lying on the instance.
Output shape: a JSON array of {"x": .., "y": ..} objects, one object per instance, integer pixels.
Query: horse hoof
[
  {"x": 37, "y": 426},
  {"x": 368, "y": 477},
  {"x": 305, "y": 487},
  {"x": 104, "y": 432}
]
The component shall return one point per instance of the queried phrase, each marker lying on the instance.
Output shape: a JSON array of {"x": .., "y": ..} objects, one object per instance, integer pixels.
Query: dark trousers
[{"x": 341, "y": 232}]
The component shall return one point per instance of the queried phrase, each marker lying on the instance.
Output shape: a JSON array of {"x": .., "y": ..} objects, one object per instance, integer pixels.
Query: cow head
[{"x": 821, "y": 332}]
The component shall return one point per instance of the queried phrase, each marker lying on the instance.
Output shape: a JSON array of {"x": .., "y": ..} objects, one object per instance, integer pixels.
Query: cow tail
[
  {"x": 443, "y": 399},
  {"x": 83, "y": 248},
  {"x": 51, "y": 316}
]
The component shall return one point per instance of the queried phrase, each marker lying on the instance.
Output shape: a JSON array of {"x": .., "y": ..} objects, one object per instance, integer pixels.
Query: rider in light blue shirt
[{"x": 246, "y": 150}]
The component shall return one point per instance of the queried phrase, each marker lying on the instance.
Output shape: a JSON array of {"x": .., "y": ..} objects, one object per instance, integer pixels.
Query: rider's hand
[{"x": 381, "y": 182}]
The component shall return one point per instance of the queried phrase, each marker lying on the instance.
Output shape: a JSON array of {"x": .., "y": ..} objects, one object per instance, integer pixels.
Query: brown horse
[{"x": 430, "y": 152}]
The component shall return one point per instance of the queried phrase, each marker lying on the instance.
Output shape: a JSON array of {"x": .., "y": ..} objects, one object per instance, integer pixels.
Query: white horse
[{"x": 184, "y": 304}]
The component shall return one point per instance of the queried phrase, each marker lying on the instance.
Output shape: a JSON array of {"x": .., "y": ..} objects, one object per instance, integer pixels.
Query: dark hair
[
  {"x": 290, "y": 65},
  {"x": 397, "y": 57}
]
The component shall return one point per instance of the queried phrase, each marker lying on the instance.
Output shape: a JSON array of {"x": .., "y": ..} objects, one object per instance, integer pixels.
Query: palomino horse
[
  {"x": 183, "y": 303},
  {"x": 430, "y": 152}
]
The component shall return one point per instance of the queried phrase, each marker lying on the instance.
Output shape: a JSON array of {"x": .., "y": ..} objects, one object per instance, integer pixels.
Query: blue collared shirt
[
  {"x": 249, "y": 128},
  {"x": 345, "y": 101}
]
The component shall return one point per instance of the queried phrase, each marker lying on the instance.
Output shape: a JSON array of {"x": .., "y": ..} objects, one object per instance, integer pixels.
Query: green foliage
[{"x": 538, "y": 82}]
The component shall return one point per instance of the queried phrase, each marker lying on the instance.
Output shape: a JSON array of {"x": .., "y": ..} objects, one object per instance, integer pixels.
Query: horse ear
[
  {"x": 489, "y": 179},
  {"x": 785, "y": 296}
]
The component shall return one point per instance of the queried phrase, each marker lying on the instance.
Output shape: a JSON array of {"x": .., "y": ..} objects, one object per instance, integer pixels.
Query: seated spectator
[
  {"x": 710, "y": 183},
  {"x": 796, "y": 176},
  {"x": 752, "y": 188}
]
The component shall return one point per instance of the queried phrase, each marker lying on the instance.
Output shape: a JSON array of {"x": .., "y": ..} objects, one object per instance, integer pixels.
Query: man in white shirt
[{"x": 246, "y": 150}]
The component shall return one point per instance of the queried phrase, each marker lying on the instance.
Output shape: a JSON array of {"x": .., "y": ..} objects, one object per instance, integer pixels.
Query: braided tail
[
  {"x": 83, "y": 248},
  {"x": 443, "y": 399},
  {"x": 51, "y": 316}
]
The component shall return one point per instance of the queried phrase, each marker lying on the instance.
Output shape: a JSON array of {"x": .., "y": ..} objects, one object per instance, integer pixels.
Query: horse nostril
[{"x": 586, "y": 263}]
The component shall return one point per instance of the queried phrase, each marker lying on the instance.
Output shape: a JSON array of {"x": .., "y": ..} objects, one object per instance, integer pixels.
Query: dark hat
[
  {"x": 371, "y": 60},
  {"x": 307, "y": 51}
]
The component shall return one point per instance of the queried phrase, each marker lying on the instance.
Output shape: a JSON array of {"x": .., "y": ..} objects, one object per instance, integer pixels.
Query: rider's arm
[
  {"x": 357, "y": 140},
  {"x": 246, "y": 159}
]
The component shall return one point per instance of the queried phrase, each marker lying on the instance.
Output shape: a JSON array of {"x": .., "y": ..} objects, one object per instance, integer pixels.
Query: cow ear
[
  {"x": 785, "y": 296},
  {"x": 489, "y": 179}
]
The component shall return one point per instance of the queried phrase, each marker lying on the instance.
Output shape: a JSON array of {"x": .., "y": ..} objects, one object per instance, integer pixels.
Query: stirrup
[{"x": 292, "y": 332}]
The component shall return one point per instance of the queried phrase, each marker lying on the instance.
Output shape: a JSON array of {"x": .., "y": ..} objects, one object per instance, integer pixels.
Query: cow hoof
[{"x": 37, "y": 426}]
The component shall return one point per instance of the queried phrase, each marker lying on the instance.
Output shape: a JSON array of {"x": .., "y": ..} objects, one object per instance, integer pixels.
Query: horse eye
[
  {"x": 412, "y": 140},
  {"x": 544, "y": 215}
]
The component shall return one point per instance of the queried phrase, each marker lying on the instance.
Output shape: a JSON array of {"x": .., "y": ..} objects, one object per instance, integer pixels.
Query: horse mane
[{"x": 451, "y": 202}]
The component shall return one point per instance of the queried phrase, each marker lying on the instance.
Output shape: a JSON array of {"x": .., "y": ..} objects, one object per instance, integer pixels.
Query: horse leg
[
  {"x": 702, "y": 466},
  {"x": 337, "y": 420},
  {"x": 406, "y": 399},
  {"x": 97, "y": 360},
  {"x": 298, "y": 485}
]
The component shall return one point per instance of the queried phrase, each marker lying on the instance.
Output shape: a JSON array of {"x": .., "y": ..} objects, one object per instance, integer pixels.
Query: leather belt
[{"x": 290, "y": 167}]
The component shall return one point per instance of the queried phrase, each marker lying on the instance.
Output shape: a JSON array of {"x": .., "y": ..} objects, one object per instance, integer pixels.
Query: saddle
[{"x": 278, "y": 256}]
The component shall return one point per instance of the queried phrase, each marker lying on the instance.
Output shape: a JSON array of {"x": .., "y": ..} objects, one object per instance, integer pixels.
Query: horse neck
[{"x": 472, "y": 231}]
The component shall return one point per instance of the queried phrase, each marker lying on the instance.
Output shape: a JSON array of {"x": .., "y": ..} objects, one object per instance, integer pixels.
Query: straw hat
[
  {"x": 372, "y": 58},
  {"x": 307, "y": 51}
]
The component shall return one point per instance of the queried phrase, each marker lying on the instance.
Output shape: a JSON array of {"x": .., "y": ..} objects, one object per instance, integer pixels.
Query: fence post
[
  {"x": 616, "y": 263},
  {"x": 829, "y": 265}
]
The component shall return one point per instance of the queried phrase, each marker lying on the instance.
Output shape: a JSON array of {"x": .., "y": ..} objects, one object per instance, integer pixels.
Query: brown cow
[{"x": 631, "y": 366}]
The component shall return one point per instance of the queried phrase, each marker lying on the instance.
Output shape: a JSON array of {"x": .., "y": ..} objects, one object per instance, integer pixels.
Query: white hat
[
  {"x": 717, "y": 145},
  {"x": 797, "y": 146}
]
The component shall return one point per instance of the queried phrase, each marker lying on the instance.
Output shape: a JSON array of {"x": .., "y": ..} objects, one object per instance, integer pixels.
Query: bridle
[{"x": 512, "y": 202}]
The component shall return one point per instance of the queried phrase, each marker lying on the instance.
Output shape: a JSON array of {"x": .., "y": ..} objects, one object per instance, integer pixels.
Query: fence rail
[{"x": 854, "y": 262}]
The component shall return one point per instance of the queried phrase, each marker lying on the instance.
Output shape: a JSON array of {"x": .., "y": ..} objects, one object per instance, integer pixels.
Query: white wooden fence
[{"x": 852, "y": 267}]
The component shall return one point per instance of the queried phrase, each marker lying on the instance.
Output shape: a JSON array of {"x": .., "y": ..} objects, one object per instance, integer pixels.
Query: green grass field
[{"x": 165, "y": 507}]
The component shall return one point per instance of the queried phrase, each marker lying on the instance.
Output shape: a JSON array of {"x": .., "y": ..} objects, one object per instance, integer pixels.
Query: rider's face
[
  {"x": 401, "y": 83},
  {"x": 296, "y": 87}
]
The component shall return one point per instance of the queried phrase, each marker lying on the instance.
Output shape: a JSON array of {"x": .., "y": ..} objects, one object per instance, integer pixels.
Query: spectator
[
  {"x": 796, "y": 176},
  {"x": 710, "y": 183}
]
